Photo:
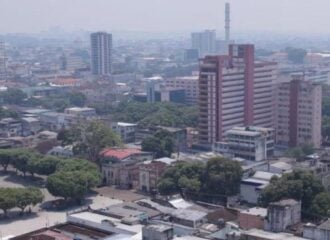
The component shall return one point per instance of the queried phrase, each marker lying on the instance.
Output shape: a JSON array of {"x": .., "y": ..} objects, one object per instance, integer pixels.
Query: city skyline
[{"x": 281, "y": 16}]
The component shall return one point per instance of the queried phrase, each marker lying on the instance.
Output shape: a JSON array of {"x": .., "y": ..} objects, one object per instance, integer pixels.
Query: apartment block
[
  {"x": 235, "y": 90},
  {"x": 248, "y": 143},
  {"x": 189, "y": 84},
  {"x": 101, "y": 53},
  {"x": 299, "y": 112}
]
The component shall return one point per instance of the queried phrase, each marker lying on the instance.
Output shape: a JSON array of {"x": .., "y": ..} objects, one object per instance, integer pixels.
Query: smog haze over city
[{"x": 164, "y": 119}]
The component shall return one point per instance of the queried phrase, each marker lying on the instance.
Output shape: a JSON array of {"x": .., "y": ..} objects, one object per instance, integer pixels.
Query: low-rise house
[
  {"x": 257, "y": 234},
  {"x": 30, "y": 126},
  {"x": 320, "y": 232},
  {"x": 82, "y": 112},
  {"x": 149, "y": 174},
  {"x": 10, "y": 127},
  {"x": 188, "y": 217},
  {"x": 251, "y": 187},
  {"x": 252, "y": 218},
  {"x": 283, "y": 214},
  {"x": 121, "y": 166},
  {"x": 125, "y": 130},
  {"x": 59, "y": 151},
  {"x": 54, "y": 121}
]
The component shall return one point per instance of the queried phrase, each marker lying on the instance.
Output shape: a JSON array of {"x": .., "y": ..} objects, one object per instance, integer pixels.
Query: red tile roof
[{"x": 120, "y": 153}]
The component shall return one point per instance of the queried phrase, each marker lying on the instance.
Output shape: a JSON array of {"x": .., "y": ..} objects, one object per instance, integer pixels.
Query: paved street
[{"x": 17, "y": 225}]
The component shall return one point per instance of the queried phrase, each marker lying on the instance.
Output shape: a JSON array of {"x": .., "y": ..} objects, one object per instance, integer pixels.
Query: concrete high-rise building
[
  {"x": 299, "y": 112},
  {"x": 101, "y": 53},
  {"x": 234, "y": 90},
  {"x": 3, "y": 61},
  {"x": 204, "y": 42}
]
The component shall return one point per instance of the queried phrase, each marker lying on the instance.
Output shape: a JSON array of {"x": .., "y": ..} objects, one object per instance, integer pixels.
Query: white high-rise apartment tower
[{"x": 101, "y": 53}]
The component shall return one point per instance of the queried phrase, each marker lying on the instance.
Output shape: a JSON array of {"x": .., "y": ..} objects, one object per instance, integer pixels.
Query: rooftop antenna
[{"x": 227, "y": 21}]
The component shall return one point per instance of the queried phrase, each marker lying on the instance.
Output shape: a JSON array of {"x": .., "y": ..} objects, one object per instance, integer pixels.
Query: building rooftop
[
  {"x": 80, "y": 109},
  {"x": 120, "y": 153},
  {"x": 260, "y": 234},
  {"x": 325, "y": 225},
  {"x": 124, "y": 124},
  {"x": 188, "y": 214},
  {"x": 159, "y": 227},
  {"x": 94, "y": 218},
  {"x": 256, "y": 211},
  {"x": 285, "y": 203},
  {"x": 264, "y": 175},
  {"x": 180, "y": 203}
]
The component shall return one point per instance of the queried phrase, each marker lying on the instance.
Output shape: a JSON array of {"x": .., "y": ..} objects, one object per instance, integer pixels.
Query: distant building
[
  {"x": 252, "y": 218},
  {"x": 157, "y": 232},
  {"x": 10, "y": 127},
  {"x": 204, "y": 42},
  {"x": 299, "y": 113},
  {"x": 149, "y": 175},
  {"x": 234, "y": 90},
  {"x": 257, "y": 234},
  {"x": 191, "y": 55},
  {"x": 283, "y": 214},
  {"x": 189, "y": 84},
  {"x": 101, "y": 53},
  {"x": 63, "y": 152},
  {"x": 250, "y": 188},
  {"x": 248, "y": 143},
  {"x": 126, "y": 131},
  {"x": 320, "y": 232},
  {"x": 84, "y": 112},
  {"x": 188, "y": 217},
  {"x": 121, "y": 166}
]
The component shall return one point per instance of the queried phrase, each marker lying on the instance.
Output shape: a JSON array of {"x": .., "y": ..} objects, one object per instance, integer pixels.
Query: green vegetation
[
  {"x": 57, "y": 102},
  {"x": 67, "y": 178},
  {"x": 210, "y": 182},
  {"x": 152, "y": 114},
  {"x": 300, "y": 152},
  {"x": 19, "y": 197},
  {"x": 299, "y": 185},
  {"x": 7, "y": 113},
  {"x": 162, "y": 144},
  {"x": 296, "y": 55},
  {"x": 13, "y": 96},
  {"x": 73, "y": 179},
  {"x": 90, "y": 139}
]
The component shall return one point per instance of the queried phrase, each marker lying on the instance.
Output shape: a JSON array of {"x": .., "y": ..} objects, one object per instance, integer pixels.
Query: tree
[
  {"x": 27, "y": 196},
  {"x": 7, "y": 199},
  {"x": 162, "y": 144},
  {"x": 43, "y": 165},
  {"x": 222, "y": 176},
  {"x": 166, "y": 186},
  {"x": 77, "y": 99},
  {"x": 183, "y": 177},
  {"x": 92, "y": 138},
  {"x": 5, "y": 159},
  {"x": 321, "y": 205},
  {"x": 13, "y": 96},
  {"x": 299, "y": 185},
  {"x": 21, "y": 158},
  {"x": 296, "y": 55},
  {"x": 72, "y": 184}
]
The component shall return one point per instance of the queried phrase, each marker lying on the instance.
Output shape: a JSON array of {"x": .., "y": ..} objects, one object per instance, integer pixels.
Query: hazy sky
[{"x": 164, "y": 15}]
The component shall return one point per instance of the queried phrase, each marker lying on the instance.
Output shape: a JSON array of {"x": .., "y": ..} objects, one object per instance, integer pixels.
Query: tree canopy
[
  {"x": 299, "y": 185},
  {"x": 152, "y": 114},
  {"x": 212, "y": 181},
  {"x": 19, "y": 197},
  {"x": 91, "y": 138},
  {"x": 162, "y": 144}
]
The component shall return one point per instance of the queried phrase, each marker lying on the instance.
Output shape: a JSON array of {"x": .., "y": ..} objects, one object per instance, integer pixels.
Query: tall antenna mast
[{"x": 227, "y": 22}]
